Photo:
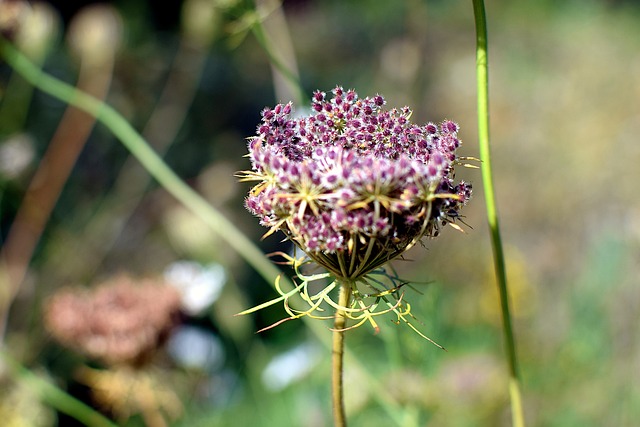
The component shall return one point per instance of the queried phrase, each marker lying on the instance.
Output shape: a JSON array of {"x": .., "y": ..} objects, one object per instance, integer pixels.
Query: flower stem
[
  {"x": 339, "y": 418},
  {"x": 482, "y": 73}
]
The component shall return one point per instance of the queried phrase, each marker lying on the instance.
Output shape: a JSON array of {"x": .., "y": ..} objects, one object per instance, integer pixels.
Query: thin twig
[{"x": 492, "y": 214}]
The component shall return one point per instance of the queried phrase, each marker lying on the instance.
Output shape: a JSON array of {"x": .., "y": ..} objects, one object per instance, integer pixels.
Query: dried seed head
[{"x": 119, "y": 322}]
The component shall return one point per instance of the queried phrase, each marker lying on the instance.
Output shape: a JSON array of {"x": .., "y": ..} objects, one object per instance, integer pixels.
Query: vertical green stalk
[
  {"x": 482, "y": 72},
  {"x": 272, "y": 33},
  {"x": 337, "y": 357}
]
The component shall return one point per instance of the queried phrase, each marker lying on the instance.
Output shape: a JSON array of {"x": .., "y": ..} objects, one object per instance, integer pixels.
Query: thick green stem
[
  {"x": 482, "y": 71},
  {"x": 339, "y": 418}
]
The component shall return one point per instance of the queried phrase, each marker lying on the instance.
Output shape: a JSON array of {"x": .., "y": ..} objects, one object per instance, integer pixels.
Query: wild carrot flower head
[{"x": 354, "y": 185}]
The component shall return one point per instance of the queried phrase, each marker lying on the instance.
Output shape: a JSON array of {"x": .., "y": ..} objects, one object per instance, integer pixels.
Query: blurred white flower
[
  {"x": 290, "y": 366},
  {"x": 16, "y": 154},
  {"x": 199, "y": 286},
  {"x": 196, "y": 348}
]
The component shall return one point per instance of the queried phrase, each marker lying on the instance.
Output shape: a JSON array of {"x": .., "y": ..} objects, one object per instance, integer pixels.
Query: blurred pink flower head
[{"x": 120, "y": 322}]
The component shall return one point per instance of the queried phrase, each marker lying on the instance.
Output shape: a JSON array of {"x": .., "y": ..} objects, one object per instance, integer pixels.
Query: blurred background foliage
[{"x": 193, "y": 77}]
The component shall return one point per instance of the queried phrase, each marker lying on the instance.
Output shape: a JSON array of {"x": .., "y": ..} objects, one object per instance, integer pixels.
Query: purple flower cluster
[{"x": 353, "y": 184}]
